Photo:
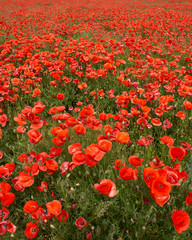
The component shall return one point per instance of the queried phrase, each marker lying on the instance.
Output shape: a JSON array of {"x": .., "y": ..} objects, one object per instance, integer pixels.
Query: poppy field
[{"x": 96, "y": 119}]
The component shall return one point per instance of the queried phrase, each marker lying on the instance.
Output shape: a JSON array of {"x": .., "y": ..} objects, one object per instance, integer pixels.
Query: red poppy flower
[
  {"x": 55, "y": 110},
  {"x": 181, "y": 220},
  {"x": 15, "y": 81},
  {"x": 25, "y": 180},
  {"x": 127, "y": 173},
  {"x": 53, "y": 83},
  {"x": 52, "y": 165},
  {"x": 4, "y": 187},
  {"x": 6, "y": 197},
  {"x": 23, "y": 158},
  {"x": 4, "y": 213},
  {"x": 94, "y": 151},
  {"x": 34, "y": 136},
  {"x": 149, "y": 140},
  {"x": 43, "y": 186},
  {"x": 80, "y": 129},
  {"x": 177, "y": 152},
  {"x": 26, "y": 111},
  {"x": 41, "y": 159},
  {"x": 60, "y": 96},
  {"x": 3, "y": 120},
  {"x": 108, "y": 129},
  {"x": 86, "y": 111},
  {"x": 3, "y": 171},
  {"x": 106, "y": 187},
  {"x": 134, "y": 111},
  {"x": 20, "y": 129},
  {"x": 143, "y": 122},
  {"x": 156, "y": 122},
  {"x": 182, "y": 175},
  {"x": 145, "y": 142},
  {"x": 79, "y": 158},
  {"x": 122, "y": 101},
  {"x": 172, "y": 176},
  {"x": 7, "y": 226},
  {"x": 160, "y": 187},
  {"x": 74, "y": 148},
  {"x": 31, "y": 230},
  {"x": 20, "y": 119},
  {"x": 54, "y": 207},
  {"x": 70, "y": 122},
  {"x": 63, "y": 133},
  {"x": 103, "y": 116},
  {"x": 10, "y": 166},
  {"x": 156, "y": 163},
  {"x": 181, "y": 115},
  {"x": 187, "y": 104},
  {"x": 58, "y": 141},
  {"x": 122, "y": 137},
  {"x": 58, "y": 131},
  {"x": 160, "y": 200},
  {"x": 38, "y": 214},
  {"x": 90, "y": 161},
  {"x": 63, "y": 216},
  {"x": 81, "y": 223},
  {"x": 135, "y": 161},
  {"x": 105, "y": 145},
  {"x": 167, "y": 140},
  {"x": 42, "y": 214},
  {"x": 55, "y": 151},
  {"x": 93, "y": 123},
  {"x": 188, "y": 200},
  {"x": 34, "y": 169},
  {"x": 60, "y": 134},
  {"x": 142, "y": 142},
  {"x": 166, "y": 124},
  {"x": 37, "y": 122},
  {"x": 187, "y": 146},
  {"x": 36, "y": 92},
  {"x": 108, "y": 66},
  {"x": 64, "y": 168},
  {"x": 150, "y": 174},
  {"x": 39, "y": 107},
  {"x": 30, "y": 206},
  {"x": 88, "y": 235},
  {"x": 82, "y": 86},
  {"x": 118, "y": 164}
]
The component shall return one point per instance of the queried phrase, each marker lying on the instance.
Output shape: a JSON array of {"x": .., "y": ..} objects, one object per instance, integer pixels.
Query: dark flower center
[
  {"x": 5, "y": 225},
  {"x": 33, "y": 230},
  {"x": 2, "y": 213}
]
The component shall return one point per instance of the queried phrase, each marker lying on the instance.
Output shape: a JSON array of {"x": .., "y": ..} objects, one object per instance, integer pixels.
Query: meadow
[{"x": 96, "y": 119}]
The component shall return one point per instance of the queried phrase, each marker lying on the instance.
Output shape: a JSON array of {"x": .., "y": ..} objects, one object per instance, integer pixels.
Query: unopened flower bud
[{"x": 132, "y": 220}]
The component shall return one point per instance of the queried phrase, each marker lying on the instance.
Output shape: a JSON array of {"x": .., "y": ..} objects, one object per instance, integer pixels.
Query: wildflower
[
  {"x": 31, "y": 230},
  {"x": 181, "y": 220},
  {"x": 106, "y": 187},
  {"x": 81, "y": 223}
]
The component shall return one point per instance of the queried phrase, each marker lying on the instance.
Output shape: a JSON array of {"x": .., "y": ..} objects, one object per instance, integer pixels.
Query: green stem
[{"x": 65, "y": 199}]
